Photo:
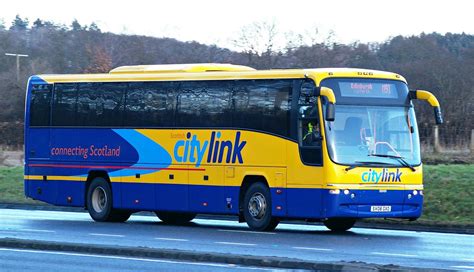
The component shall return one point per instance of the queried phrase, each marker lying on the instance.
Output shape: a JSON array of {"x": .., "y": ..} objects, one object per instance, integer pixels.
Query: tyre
[
  {"x": 257, "y": 208},
  {"x": 339, "y": 224},
  {"x": 100, "y": 201},
  {"x": 175, "y": 218}
]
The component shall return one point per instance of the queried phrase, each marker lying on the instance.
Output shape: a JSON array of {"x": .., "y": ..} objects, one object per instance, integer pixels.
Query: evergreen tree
[
  {"x": 38, "y": 23},
  {"x": 76, "y": 26},
  {"x": 94, "y": 27},
  {"x": 19, "y": 24}
]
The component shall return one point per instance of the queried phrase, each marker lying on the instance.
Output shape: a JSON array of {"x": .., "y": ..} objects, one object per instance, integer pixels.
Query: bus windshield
[{"x": 378, "y": 134}]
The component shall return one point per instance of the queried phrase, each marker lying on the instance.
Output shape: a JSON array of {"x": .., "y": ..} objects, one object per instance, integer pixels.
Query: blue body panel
[{"x": 294, "y": 203}]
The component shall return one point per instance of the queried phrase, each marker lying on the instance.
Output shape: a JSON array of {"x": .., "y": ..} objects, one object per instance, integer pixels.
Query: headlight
[{"x": 334, "y": 191}]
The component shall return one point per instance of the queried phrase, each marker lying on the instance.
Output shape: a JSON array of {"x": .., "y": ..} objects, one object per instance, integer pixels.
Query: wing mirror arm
[
  {"x": 331, "y": 108},
  {"x": 432, "y": 100}
]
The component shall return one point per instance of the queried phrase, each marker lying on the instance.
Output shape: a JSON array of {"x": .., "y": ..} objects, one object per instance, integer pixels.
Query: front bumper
[{"x": 358, "y": 203}]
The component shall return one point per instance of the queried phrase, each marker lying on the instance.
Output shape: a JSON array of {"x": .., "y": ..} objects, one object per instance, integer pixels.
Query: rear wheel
[
  {"x": 257, "y": 208},
  {"x": 339, "y": 224},
  {"x": 175, "y": 218},
  {"x": 99, "y": 203}
]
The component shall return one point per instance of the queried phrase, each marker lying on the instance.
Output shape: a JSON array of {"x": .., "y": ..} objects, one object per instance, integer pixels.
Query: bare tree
[{"x": 260, "y": 42}]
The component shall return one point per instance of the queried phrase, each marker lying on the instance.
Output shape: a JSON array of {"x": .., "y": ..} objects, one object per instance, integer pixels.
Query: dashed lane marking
[
  {"x": 313, "y": 248},
  {"x": 393, "y": 254},
  {"x": 234, "y": 244},
  {"x": 171, "y": 239},
  {"x": 463, "y": 267},
  {"x": 38, "y": 230},
  {"x": 106, "y": 235}
]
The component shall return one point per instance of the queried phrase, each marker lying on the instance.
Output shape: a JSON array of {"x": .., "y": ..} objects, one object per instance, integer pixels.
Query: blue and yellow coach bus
[{"x": 330, "y": 145}]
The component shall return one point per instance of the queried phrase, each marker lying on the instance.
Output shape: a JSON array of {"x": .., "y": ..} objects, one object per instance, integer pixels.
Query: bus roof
[{"x": 214, "y": 71}]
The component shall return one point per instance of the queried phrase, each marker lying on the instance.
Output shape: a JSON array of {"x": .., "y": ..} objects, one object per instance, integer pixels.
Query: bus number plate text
[{"x": 380, "y": 208}]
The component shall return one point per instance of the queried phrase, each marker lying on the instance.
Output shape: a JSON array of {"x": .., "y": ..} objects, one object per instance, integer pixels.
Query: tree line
[{"x": 442, "y": 64}]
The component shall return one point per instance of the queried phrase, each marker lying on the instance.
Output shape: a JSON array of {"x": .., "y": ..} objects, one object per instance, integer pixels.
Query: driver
[{"x": 312, "y": 135}]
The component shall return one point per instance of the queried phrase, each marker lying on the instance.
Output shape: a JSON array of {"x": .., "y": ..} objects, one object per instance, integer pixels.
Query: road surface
[{"x": 306, "y": 242}]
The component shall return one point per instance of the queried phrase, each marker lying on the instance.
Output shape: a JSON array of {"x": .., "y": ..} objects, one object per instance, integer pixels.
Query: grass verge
[
  {"x": 449, "y": 192},
  {"x": 11, "y": 186}
]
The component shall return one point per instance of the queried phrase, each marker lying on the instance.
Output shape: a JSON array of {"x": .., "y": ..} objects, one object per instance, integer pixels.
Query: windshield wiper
[
  {"x": 402, "y": 161},
  {"x": 365, "y": 163}
]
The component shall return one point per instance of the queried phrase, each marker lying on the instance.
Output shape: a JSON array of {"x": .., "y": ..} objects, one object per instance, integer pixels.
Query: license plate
[{"x": 380, "y": 208}]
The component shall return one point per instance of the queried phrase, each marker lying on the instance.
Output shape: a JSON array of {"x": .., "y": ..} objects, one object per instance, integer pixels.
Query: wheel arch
[
  {"x": 247, "y": 181},
  {"x": 90, "y": 177}
]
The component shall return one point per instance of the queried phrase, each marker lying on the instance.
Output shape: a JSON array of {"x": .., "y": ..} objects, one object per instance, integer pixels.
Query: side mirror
[
  {"x": 438, "y": 115},
  {"x": 331, "y": 108},
  {"x": 431, "y": 99},
  {"x": 330, "y": 112}
]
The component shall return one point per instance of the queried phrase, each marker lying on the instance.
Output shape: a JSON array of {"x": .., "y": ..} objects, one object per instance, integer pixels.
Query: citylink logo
[
  {"x": 384, "y": 176},
  {"x": 192, "y": 149}
]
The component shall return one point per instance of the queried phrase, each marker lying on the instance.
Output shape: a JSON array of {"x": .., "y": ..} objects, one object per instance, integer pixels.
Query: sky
[{"x": 220, "y": 22}]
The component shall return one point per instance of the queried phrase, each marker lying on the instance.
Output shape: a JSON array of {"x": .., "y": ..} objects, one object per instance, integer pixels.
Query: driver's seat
[{"x": 351, "y": 134}]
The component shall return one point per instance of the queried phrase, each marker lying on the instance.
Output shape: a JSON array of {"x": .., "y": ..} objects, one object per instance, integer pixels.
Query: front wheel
[
  {"x": 257, "y": 208},
  {"x": 175, "y": 218},
  {"x": 99, "y": 203},
  {"x": 339, "y": 224}
]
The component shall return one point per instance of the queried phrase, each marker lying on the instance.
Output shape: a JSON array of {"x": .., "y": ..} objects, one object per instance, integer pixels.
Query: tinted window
[
  {"x": 40, "y": 105},
  {"x": 247, "y": 104},
  {"x": 100, "y": 104},
  {"x": 65, "y": 104},
  {"x": 204, "y": 104},
  {"x": 263, "y": 105},
  {"x": 150, "y": 104}
]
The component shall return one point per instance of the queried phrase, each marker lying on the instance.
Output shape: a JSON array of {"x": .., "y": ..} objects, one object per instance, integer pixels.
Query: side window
[
  {"x": 100, "y": 104},
  {"x": 40, "y": 104},
  {"x": 150, "y": 104},
  {"x": 309, "y": 128},
  {"x": 310, "y": 133},
  {"x": 64, "y": 104},
  {"x": 263, "y": 105},
  {"x": 204, "y": 104}
]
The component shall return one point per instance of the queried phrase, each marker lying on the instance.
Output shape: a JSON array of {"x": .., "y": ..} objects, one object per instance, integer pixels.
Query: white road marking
[
  {"x": 247, "y": 231},
  {"x": 106, "y": 235},
  {"x": 128, "y": 258},
  {"x": 234, "y": 244},
  {"x": 393, "y": 254},
  {"x": 463, "y": 267},
  {"x": 37, "y": 230},
  {"x": 171, "y": 239},
  {"x": 313, "y": 248}
]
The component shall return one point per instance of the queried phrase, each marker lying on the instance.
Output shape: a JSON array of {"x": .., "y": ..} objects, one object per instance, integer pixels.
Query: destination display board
[{"x": 368, "y": 89}]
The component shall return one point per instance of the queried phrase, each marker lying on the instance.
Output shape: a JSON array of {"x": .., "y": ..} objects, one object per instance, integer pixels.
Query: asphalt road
[
  {"x": 38, "y": 260},
  {"x": 306, "y": 242}
]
